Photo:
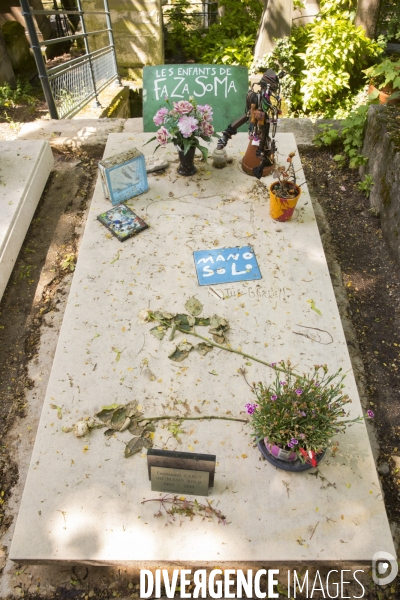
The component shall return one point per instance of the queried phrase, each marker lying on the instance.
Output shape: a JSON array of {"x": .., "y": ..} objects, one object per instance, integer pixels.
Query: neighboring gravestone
[
  {"x": 276, "y": 23},
  {"x": 223, "y": 87},
  {"x": 17, "y": 46},
  {"x": 6, "y": 70}
]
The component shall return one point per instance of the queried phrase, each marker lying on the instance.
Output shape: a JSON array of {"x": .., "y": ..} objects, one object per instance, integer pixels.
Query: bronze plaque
[
  {"x": 182, "y": 460},
  {"x": 183, "y": 481}
]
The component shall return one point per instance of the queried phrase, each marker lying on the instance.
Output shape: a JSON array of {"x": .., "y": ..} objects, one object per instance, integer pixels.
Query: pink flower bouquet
[{"x": 184, "y": 123}]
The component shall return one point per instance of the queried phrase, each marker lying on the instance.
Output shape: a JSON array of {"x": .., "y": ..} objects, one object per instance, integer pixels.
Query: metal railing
[{"x": 70, "y": 86}]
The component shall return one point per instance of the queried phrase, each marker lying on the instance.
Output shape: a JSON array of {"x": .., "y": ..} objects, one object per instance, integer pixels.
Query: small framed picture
[{"x": 122, "y": 222}]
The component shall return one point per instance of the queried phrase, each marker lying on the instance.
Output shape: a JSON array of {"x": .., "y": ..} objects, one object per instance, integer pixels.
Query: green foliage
[
  {"x": 24, "y": 93},
  {"x": 350, "y": 136},
  {"x": 334, "y": 58},
  {"x": 285, "y": 56},
  {"x": 333, "y": 7},
  {"x": 328, "y": 136},
  {"x": 324, "y": 60},
  {"x": 179, "y": 21},
  {"x": 386, "y": 74},
  {"x": 366, "y": 185},
  {"x": 231, "y": 41},
  {"x": 389, "y": 20},
  {"x": 297, "y": 411}
]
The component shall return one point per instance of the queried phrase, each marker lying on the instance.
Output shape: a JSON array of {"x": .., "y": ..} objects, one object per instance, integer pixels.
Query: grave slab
[
  {"x": 83, "y": 500},
  {"x": 24, "y": 169}
]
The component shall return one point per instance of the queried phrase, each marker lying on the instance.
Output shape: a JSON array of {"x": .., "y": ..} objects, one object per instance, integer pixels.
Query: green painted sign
[{"x": 222, "y": 87}]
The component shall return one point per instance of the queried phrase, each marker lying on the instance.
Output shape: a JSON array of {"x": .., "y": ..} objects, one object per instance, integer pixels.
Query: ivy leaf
[
  {"x": 134, "y": 445},
  {"x": 194, "y": 306}
]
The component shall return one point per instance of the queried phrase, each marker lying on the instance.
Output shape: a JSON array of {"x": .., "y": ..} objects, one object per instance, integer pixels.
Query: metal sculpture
[{"x": 263, "y": 108}]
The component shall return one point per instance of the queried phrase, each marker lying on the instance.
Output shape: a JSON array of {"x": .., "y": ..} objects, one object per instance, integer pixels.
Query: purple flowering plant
[
  {"x": 184, "y": 123},
  {"x": 303, "y": 412}
]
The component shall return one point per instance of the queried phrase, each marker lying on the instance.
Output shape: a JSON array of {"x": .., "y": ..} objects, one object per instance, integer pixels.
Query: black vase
[{"x": 186, "y": 162}]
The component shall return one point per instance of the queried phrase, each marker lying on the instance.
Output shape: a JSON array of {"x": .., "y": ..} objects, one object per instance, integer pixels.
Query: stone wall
[
  {"x": 137, "y": 28},
  {"x": 382, "y": 148}
]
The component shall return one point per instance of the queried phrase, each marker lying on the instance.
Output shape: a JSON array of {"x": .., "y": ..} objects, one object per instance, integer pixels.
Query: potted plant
[
  {"x": 284, "y": 193},
  {"x": 184, "y": 124},
  {"x": 385, "y": 81},
  {"x": 296, "y": 417}
]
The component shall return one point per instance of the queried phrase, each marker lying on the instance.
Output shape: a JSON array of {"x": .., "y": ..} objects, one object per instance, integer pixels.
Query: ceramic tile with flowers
[
  {"x": 184, "y": 124},
  {"x": 297, "y": 416}
]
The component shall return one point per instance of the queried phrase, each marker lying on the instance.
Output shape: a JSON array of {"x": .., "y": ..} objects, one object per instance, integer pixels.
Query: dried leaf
[
  {"x": 135, "y": 429},
  {"x": 58, "y": 409},
  {"x": 118, "y": 418},
  {"x": 219, "y": 339},
  {"x": 182, "y": 322},
  {"x": 158, "y": 331},
  {"x": 126, "y": 424},
  {"x": 203, "y": 348},
  {"x": 217, "y": 321},
  {"x": 194, "y": 306},
  {"x": 134, "y": 445},
  {"x": 202, "y": 321},
  {"x": 313, "y": 307},
  {"x": 106, "y": 414},
  {"x": 167, "y": 315},
  {"x": 181, "y": 352},
  {"x": 118, "y": 352},
  {"x": 148, "y": 443},
  {"x": 131, "y": 408}
]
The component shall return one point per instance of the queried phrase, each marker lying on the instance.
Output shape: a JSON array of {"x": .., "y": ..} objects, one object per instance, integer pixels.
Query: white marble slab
[
  {"x": 24, "y": 169},
  {"x": 82, "y": 499}
]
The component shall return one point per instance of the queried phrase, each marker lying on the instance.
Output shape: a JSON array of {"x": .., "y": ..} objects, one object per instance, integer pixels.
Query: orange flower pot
[
  {"x": 281, "y": 209},
  {"x": 383, "y": 96}
]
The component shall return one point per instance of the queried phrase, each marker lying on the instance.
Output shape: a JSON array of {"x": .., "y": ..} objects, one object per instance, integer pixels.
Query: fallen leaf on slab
[{"x": 194, "y": 306}]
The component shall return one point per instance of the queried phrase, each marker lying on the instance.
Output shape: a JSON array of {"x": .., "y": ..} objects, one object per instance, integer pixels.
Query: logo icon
[{"x": 384, "y": 568}]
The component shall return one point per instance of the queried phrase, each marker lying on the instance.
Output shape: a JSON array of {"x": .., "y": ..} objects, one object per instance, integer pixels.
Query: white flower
[{"x": 144, "y": 316}]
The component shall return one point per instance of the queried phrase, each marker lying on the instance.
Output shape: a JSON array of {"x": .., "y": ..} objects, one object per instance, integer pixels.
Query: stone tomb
[
  {"x": 83, "y": 500},
  {"x": 24, "y": 169}
]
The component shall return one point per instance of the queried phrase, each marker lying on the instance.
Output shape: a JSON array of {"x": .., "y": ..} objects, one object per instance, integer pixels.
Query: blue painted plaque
[{"x": 226, "y": 265}]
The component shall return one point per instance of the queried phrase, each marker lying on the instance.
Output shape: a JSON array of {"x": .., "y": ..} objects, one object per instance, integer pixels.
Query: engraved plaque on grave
[{"x": 182, "y": 472}]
